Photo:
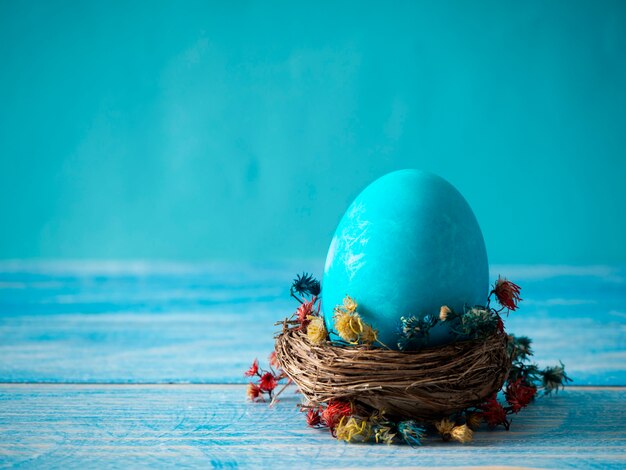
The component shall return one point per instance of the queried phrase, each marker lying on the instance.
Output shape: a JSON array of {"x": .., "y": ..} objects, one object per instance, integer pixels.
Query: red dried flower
[
  {"x": 253, "y": 391},
  {"x": 335, "y": 410},
  {"x": 268, "y": 382},
  {"x": 253, "y": 370},
  {"x": 274, "y": 360},
  {"x": 519, "y": 394},
  {"x": 500, "y": 324},
  {"x": 304, "y": 310},
  {"x": 313, "y": 418},
  {"x": 494, "y": 413},
  {"x": 507, "y": 293}
]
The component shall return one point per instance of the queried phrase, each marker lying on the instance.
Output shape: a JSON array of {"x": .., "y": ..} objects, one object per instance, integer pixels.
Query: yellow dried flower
[
  {"x": 444, "y": 312},
  {"x": 349, "y": 304},
  {"x": 353, "y": 429},
  {"x": 473, "y": 420},
  {"x": 444, "y": 427},
  {"x": 462, "y": 434},
  {"x": 349, "y": 326},
  {"x": 369, "y": 335},
  {"x": 316, "y": 330},
  {"x": 383, "y": 434}
]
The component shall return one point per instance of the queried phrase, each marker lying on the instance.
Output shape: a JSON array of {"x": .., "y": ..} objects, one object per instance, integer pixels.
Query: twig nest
[{"x": 424, "y": 385}]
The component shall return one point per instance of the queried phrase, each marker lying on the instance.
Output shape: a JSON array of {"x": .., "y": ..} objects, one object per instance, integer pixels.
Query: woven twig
[{"x": 426, "y": 384}]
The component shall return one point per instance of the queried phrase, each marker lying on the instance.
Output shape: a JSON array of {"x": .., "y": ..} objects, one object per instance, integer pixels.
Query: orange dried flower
[
  {"x": 304, "y": 311},
  {"x": 494, "y": 413},
  {"x": 313, "y": 418},
  {"x": 519, "y": 394},
  {"x": 507, "y": 293},
  {"x": 253, "y": 370},
  {"x": 335, "y": 410},
  {"x": 274, "y": 360},
  {"x": 253, "y": 391},
  {"x": 268, "y": 382}
]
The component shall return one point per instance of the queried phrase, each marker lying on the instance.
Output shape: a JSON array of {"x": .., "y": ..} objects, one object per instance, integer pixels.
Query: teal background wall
[{"x": 242, "y": 130}]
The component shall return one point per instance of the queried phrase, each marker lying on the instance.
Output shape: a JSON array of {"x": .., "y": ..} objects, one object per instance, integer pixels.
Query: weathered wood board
[
  {"x": 80, "y": 344},
  {"x": 126, "y": 322},
  {"x": 140, "y": 426}
]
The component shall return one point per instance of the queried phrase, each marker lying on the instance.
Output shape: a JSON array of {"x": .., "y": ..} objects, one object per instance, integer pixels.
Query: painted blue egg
[{"x": 408, "y": 244}]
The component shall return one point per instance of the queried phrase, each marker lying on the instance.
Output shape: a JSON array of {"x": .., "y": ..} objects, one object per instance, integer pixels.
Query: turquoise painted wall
[{"x": 242, "y": 130}]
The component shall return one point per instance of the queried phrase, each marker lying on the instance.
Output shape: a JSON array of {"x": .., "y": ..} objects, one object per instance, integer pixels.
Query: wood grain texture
[
  {"x": 131, "y": 426},
  {"x": 136, "y": 322}
]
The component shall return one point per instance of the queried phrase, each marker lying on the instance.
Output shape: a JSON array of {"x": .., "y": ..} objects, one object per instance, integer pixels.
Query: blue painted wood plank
[
  {"x": 150, "y": 322},
  {"x": 130, "y": 426}
]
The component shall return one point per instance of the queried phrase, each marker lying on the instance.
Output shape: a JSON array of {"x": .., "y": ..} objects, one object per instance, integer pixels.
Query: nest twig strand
[{"x": 426, "y": 384}]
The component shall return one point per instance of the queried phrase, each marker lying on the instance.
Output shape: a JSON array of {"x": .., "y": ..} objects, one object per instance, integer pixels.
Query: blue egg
[{"x": 408, "y": 244}]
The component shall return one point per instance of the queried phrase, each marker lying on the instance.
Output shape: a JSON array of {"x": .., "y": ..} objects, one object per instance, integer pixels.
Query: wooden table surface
[{"x": 140, "y": 365}]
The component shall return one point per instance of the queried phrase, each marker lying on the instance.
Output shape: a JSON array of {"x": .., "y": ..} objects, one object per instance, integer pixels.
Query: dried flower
[
  {"x": 306, "y": 284},
  {"x": 349, "y": 304},
  {"x": 478, "y": 322},
  {"x": 507, "y": 293},
  {"x": 519, "y": 348},
  {"x": 412, "y": 432},
  {"x": 473, "y": 420},
  {"x": 313, "y": 418},
  {"x": 519, "y": 394},
  {"x": 499, "y": 324},
  {"x": 253, "y": 391},
  {"x": 528, "y": 372},
  {"x": 253, "y": 370},
  {"x": 316, "y": 331},
  {"x": 444, "y": 311},
  {"x": 348, "y": 326},
  {"x": 274, "y": 360},
  {"x": 383, "y": 433},
  {"x": 554, "y": 378},
  {"x": 305, "y": 310},
  {"x": 493, "y": 413},
  {"x": 413, "y": 331},
  {"x": 462, "y": 434},
  {"x": 267, "y": 382},
  {"x": 444, "y": 428},
  {"x": 384, "y": 430},
  {"x": 334, "y": 411},
  {"x": 353, "y": 429},
  {"x": 369, "y": 335}
]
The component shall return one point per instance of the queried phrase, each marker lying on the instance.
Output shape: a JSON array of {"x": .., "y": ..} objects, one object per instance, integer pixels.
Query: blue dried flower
[
  {"x": 306, "y": 284},
  {"x": 413, "y": 331},
  {"x": 412, "y": 432},
  {"x": 477, "y": 323}
]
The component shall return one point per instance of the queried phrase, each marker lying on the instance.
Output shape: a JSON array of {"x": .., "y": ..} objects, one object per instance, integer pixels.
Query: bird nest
[
  {"x": 426, "y": 384},
  {"x": 364, "y": 393}
]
